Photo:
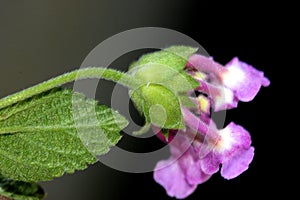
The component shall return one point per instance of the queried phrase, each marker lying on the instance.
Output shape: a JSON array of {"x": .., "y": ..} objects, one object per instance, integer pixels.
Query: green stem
[{"x": 108, "y": 74}]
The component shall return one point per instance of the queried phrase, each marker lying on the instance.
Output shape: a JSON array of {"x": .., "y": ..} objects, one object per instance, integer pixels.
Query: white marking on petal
[
  {"x": 224, "y": 98},
  {"x": 234, "y": 75},
  {"x": 225, "y": 141}
]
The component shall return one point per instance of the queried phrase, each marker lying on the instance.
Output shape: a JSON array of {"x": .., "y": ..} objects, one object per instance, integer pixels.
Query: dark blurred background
[{"x": 42, "y": 39}]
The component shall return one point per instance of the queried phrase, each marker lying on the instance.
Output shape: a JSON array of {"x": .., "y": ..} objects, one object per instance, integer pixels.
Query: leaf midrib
[
  {"x": 29, "y": 105},
  {"x": 24, "y": 129}
]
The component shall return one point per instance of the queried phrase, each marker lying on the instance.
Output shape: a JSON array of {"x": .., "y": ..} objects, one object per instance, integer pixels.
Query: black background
[{"x": 42, "y": 39}]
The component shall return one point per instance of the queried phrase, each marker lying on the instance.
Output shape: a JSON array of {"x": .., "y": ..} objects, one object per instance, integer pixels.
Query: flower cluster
[{"x": 202, "y": 149}]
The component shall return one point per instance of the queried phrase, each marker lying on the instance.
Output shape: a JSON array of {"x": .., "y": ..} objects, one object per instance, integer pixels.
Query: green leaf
[
  {"x": 160, "y": 105},
  {"x": 19, "y": 190},
  {"x": 174, "y": 56},
  {"x": 54, "y": 133}
]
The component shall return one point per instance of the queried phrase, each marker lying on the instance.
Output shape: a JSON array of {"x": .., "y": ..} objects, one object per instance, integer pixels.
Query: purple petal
[
  {"x": 210, "y": 164},
  {"x": 205, "y": 64},
  {"x": 181, "y": 173},
  {"x": 190, "y": 164},
  {"x": 234, "y": 150},
  {"x": 265, "y": 82},
  {"x": 231, "y": 140},
  {"x": 244, "y": 80},
  {"x": 194, "y": 122},
  {"x": 172, "y": 178},
  {"x": 234, "y": 137},
  {"x": 237, "y": 164},
  {"x": 195, "y": 175}
]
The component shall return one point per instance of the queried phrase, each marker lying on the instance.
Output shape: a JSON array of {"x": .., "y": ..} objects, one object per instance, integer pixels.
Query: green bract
[
  {"x": 160, "y": 106},
  {"x": 177, "y": 81},
  {"x": 174, "y": 57},
  {"x": 163, "y": 88}
]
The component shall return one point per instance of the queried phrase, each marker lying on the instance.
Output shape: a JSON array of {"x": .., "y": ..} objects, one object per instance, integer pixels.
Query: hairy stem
[{"x": 93, "y": 72}]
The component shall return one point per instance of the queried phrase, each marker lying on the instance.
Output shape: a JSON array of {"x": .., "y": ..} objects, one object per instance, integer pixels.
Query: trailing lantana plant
[{"x": 175, "y": 89}]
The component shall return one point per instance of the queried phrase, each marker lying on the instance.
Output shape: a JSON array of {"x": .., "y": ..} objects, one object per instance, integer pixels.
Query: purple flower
[
  {"x": 243, "y": 79},
  {"x": 232, "y": 150},
  {"x": 202, "y": 149},
  {"x": 224, "y": 146},
  {"x": 194, "y": 159},
  {"x": 226, "y": 85},
  {"x": 181, "y": 173}
]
